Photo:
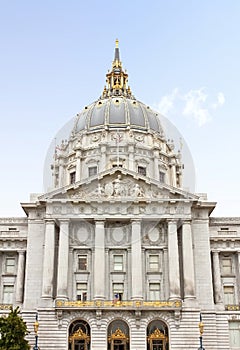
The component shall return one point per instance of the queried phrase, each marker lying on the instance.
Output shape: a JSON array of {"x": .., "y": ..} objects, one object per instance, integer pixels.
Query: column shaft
[
  {"x": 217, "y": 278},
  {"x": 173, "y": 259},
  {"x": 156, "y": 168},
  {"x": 20, "y": 276},
  {"x": 137, "y": 274},
  {"x": 48, "y": 260},
  {"x": 78, "y": 166},
  {"x": 188, "y": 262},
  {"x": 99, "y": 261},
  {"x": 63, "y": 258}
]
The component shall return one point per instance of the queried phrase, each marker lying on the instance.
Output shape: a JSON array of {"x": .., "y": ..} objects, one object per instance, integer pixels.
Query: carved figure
[
  {"x": 137, "y": 191},
  {"x": 118, "y": 188}
]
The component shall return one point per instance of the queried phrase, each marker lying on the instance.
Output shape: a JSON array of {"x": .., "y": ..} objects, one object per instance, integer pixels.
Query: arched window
[
  {"x": 79, "y": 335},
  {"x": 157, "y": 336},
  {"x": 118, "y": 335}
]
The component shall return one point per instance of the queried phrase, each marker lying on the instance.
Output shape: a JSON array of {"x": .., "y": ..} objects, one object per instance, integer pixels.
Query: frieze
[
  {"x": 158, "y": 304},
  {"x": 13, "y": 220},
  {"x": 232, "y": 307},
  {"x": 13, "y": 244},
  {"x": 5, "y": 306}
]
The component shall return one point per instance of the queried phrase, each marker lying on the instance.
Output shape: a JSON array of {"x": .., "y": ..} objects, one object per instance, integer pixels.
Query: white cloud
[
  {"x": 167, "y": 102},
  {"x": 220, "y": 100},
  {"x": 195, "y": 104}
]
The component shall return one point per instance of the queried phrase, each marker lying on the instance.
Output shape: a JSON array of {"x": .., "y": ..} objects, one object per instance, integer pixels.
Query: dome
[
  {"x": 117, "y": 111},
  {"x": 117, "y": 130}
]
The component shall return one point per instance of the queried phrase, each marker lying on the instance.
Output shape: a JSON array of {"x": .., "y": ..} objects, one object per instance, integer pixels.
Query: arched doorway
[
  {"x": 118, "y": 335},
  {"x": 157, "y": 336},
  {"x": 79, "y": 336}
]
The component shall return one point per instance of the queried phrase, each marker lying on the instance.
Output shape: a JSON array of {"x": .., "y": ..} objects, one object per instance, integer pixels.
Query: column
[
  {"x": 173, "y": 261},
  {"x": 103, "y": 161},
  {"x": 61, "y": 173},
  {"x": 165, "y": 274},
  {"x": 70, "y": 278},
  {"x": 188, "y": 262},
  {"x": 99, "y": 261},
  {"x": 131, "y": 157},
  {"x": 218, "y": 293},
  {"x": 20, "y": 276},
  {"x": 156, "y": 168},
  {"x": 48, "y": 259},
  {"x": 136, "y": 254},
  {"x": 63, "y": 258},
  {"x": 173, "y": 173},
  {"x": 78, "y": 166}
]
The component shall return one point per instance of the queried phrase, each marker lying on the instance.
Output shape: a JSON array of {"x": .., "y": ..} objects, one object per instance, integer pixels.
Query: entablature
[{"x": 120, "y": 305}]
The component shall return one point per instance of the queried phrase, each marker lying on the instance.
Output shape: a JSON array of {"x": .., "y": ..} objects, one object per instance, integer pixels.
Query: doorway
[
  {"x": 157, "y": 336},
  {"x": 79, "y": 336},
  {"x": 118, "y": 335}
]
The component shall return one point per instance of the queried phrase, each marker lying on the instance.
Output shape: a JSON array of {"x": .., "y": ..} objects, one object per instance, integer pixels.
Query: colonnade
[{"x": 171, "y": 257}]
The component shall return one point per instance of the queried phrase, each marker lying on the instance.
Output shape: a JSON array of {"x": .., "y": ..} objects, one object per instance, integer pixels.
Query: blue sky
[{"x": 182, "y": 58}]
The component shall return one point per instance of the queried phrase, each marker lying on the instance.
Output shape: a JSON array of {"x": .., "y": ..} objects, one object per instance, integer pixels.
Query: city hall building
[{"x": 119, "y": 253}]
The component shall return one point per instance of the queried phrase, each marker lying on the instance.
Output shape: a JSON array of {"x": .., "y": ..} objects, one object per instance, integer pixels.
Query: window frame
[
  {"x": 82, "y": 293},
  {"x": 7, "y": 269},
  {"x": 5, "y": 296},
  {"x": 118, "y": 291},
  {"x": 162, "y": 176},
  {"x": 92, "y": 170},
  {"x": 226, "y": 270},
  {"x": 72, "y": 177},
  {"x": 230, "y": 297},
  {"x": 83, "y": 257},
  {"x": 118, "y": 263},
  {"x": 151, "y": 263},
  {"x": 155, "y": 291},
  {"x": 142, "y": 170}
]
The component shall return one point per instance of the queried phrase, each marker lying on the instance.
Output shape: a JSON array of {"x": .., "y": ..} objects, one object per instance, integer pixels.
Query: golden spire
[{"x": 117, "y": 78}]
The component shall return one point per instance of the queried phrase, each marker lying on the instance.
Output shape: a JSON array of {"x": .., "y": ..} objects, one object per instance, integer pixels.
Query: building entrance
[
  {"x": 118, "y": 336},
  {"x": 157, "y": 336},
  {"x": 79, "y": 336}
]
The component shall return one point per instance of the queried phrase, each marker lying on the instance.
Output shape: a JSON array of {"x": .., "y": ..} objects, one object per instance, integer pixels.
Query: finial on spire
[{"x": 117, "y": 79}]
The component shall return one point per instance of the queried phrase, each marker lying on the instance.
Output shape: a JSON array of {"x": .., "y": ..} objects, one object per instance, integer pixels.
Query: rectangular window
[
  {"x": 227, "y": 266},
  {"x": 161, "y": 176},
  {"x": 10, "y": 265},
  {"x": 153, "y": 263},
  {"x": 229, "y": 297},
  {"x": 82, "y": 262},
  {"x": 118, "y": 262},
  {"x": 234, "y": 334},
  {"x": 118, "y": 289},
  {"x": 82, "y": 291},
  {"x": 92, "y": 170},
  {"x": 154, "y": 291},
  {"x": 72, "y": 177},
  {"x": 8, "y": 294},
  {"x": 142, "y": 170}
]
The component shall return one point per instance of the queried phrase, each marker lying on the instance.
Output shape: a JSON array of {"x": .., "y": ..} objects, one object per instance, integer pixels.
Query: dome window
[
  {"x": 72, "y": 177},
  {"x": 162, "y": 176},
  {"x": 142, "y": 170},
  {"x": 92, "y": 170}
]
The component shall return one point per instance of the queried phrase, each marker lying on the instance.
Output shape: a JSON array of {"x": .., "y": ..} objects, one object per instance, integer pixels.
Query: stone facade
[{"x": 117, "y": 254}]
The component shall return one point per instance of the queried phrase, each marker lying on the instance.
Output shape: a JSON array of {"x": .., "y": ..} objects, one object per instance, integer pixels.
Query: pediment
[{"x": 119, "y": 185}]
